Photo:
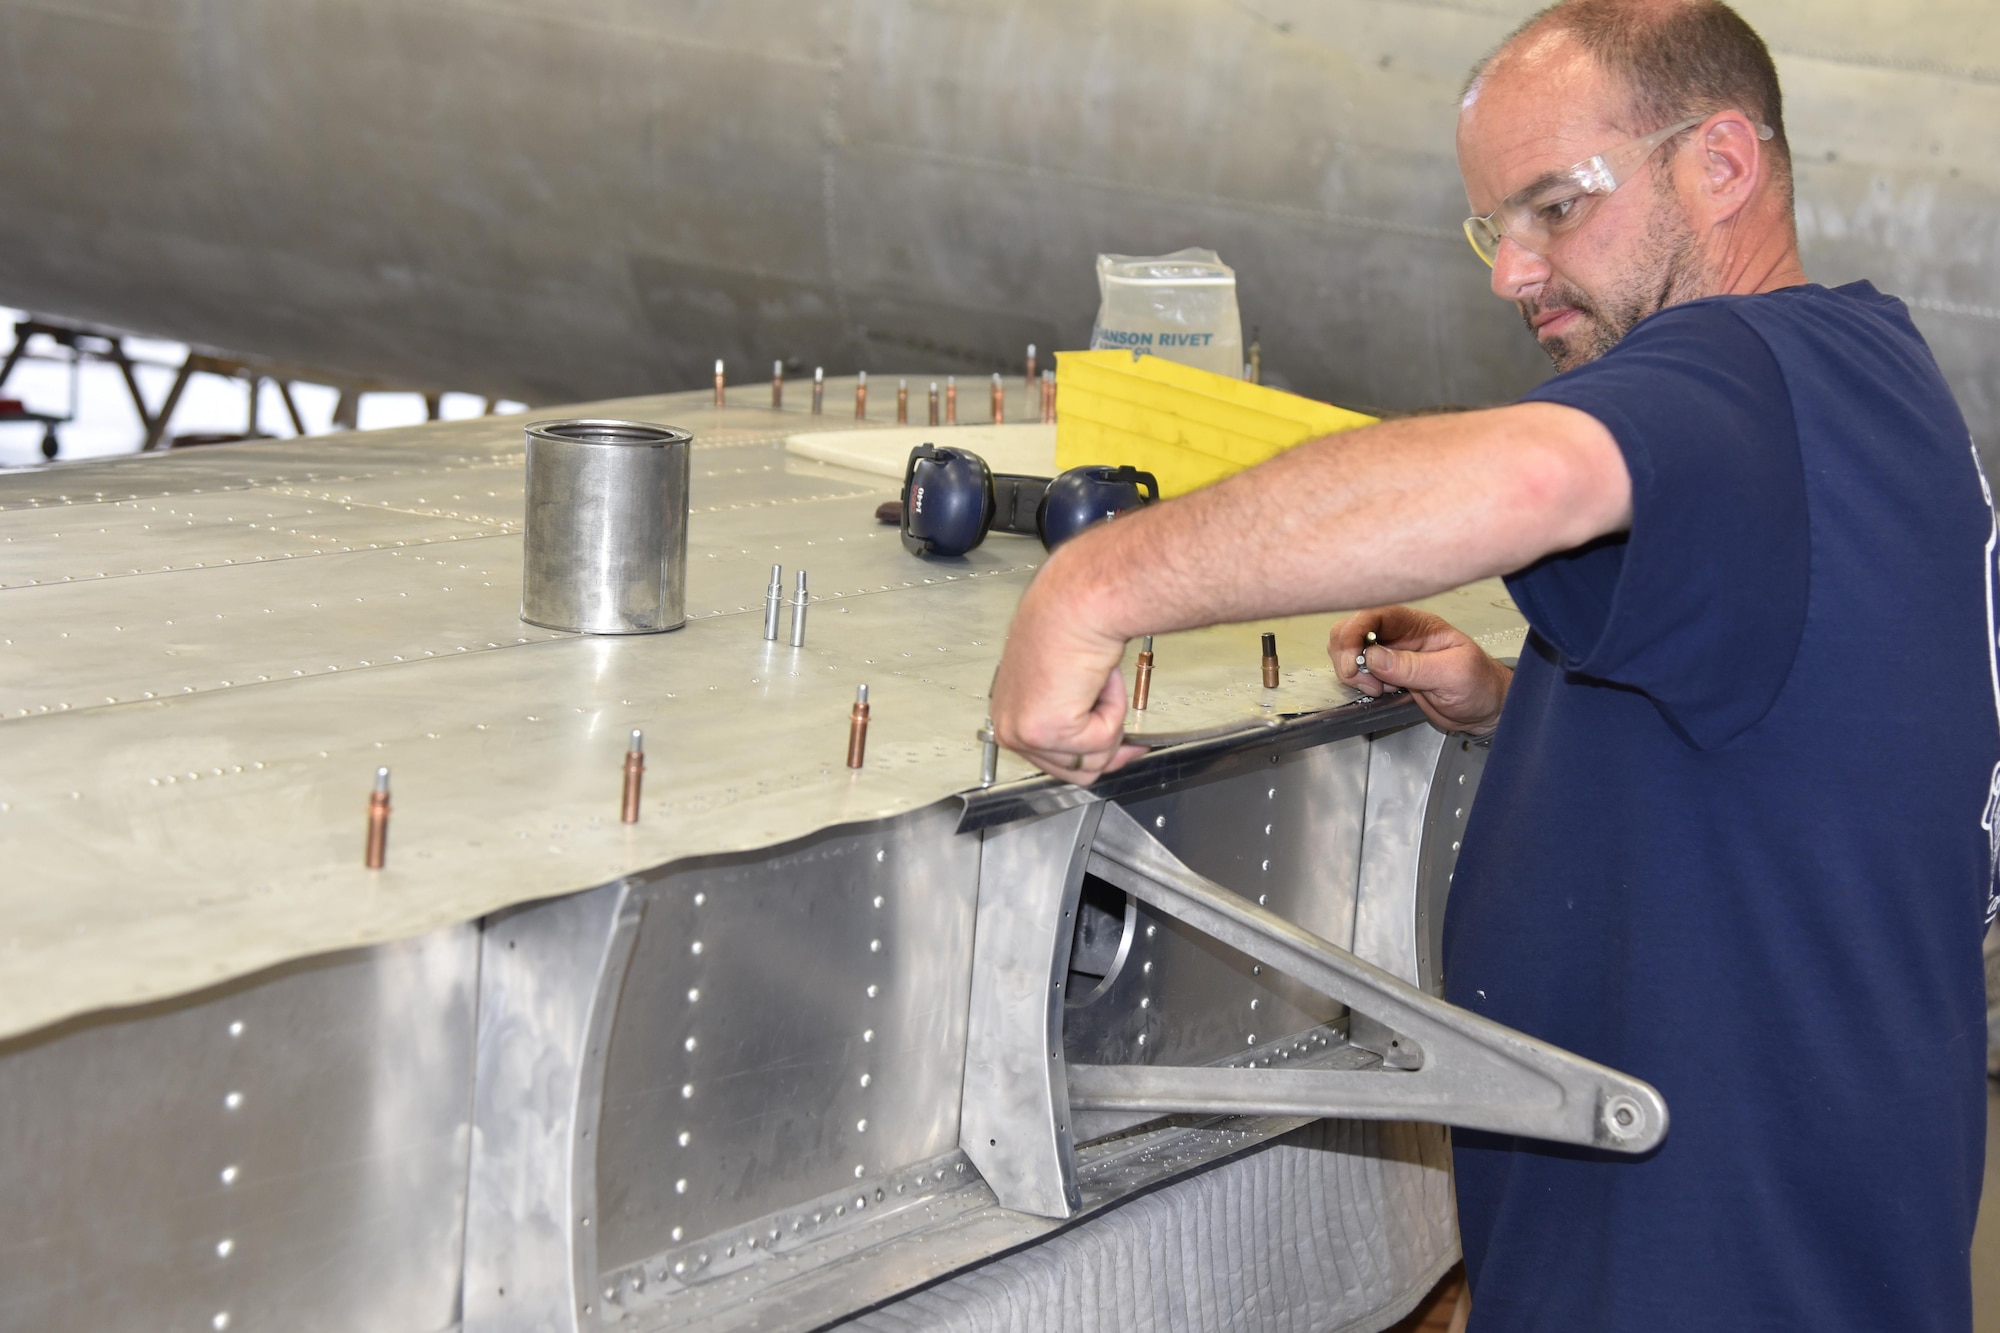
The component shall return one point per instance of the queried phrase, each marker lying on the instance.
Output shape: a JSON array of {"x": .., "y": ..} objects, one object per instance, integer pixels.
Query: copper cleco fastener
[
  {"x": 951, "y": 400},
  {"x": 819, "y": 389},
  {"x": 999, "y": 399},
  {"x": 378, "y": 821},
  {"x": 861, "y": 395},
  {"x": 777, "y": 385},
  {"x": 902, "y": 402},
  {"x": 1048, "y": 397},
  {"x": 1028, "y": 378},
  {"x": 1142, "y": 684},
  {"x": 857, "y": 728},
  {"x": 1270, "y": 661},
  {"x": 635, "y": 768},
  {"x": 934, "y": 403},
  {"x": 718, "y": 381}
]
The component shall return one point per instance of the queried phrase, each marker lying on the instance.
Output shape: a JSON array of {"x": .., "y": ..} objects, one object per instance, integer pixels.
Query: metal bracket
[
  {"x": 1442, "y": 1064},
  {"x": 549, "y": 979},
  {"x": 1014, "y": 1116}
]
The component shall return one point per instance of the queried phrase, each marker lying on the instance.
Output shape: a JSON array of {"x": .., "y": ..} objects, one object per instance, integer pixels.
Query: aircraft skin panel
[{"x": 208, "y": 654}]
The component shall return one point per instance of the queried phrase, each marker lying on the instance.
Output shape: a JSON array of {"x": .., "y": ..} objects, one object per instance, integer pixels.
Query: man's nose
[{"x": 1517, "y": 268}]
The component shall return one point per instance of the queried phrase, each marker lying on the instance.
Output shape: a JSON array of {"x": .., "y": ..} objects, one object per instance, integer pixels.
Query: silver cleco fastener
[
  {"x": 799, "y": 612},
  {"x": 774, "y": 597},
  {"x": 989, "y": 755}
]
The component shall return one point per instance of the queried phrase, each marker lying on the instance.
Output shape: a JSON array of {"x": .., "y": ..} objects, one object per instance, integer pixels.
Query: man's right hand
[{"x": 1452, "y": 679}]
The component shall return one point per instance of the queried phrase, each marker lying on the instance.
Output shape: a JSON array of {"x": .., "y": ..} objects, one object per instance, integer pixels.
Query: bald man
[{"x": 1737, "y": 833}]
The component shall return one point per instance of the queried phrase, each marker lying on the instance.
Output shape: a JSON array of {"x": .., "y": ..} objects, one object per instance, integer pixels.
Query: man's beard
[{"x": 1674, "y": 274}]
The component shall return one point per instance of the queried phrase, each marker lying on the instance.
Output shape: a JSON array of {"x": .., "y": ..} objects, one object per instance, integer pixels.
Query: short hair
[{"x": 1676, "y": 59}]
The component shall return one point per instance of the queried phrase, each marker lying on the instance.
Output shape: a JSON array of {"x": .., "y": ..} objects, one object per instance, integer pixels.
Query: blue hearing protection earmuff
[{"x": 952, "y": 499}]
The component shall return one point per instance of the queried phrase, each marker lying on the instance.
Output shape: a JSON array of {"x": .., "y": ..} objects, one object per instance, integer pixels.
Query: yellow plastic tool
[{"x": 1187, "y": 427}]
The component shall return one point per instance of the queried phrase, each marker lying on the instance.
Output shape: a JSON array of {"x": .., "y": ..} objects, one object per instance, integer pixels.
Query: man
[{"x": 1736, "y": 833}]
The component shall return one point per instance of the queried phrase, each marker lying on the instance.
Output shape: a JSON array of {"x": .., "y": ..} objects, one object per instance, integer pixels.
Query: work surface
[{"x": 205, "y": 656}]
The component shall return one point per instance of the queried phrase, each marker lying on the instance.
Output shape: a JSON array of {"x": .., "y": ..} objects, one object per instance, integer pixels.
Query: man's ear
[{"x": 1730, "y": 162}]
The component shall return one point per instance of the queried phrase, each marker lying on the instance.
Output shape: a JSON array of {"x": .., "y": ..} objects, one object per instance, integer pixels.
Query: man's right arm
[{"x": 1401, "y": 510}]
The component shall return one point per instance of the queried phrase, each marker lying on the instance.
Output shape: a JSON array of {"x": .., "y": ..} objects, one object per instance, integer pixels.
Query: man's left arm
[{"x": 1384, "y": 514}]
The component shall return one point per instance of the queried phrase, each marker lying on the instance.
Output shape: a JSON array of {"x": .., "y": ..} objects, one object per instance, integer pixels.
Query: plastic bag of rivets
[{"x": 1180, "y": 306}]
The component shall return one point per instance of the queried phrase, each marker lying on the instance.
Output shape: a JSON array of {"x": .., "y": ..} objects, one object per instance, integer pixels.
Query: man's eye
[{"x": 1554, "y": 211}]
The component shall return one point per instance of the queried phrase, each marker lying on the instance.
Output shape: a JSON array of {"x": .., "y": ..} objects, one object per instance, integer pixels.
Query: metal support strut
[{"x": 1443, "y": 1064}]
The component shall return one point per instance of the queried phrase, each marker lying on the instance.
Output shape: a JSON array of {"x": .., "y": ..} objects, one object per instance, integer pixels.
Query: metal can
[{"x": 606, "y": 549}]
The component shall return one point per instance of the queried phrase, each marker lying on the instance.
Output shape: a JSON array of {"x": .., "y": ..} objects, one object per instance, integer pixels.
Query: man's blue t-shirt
[{"x": 1736, "y": 838}]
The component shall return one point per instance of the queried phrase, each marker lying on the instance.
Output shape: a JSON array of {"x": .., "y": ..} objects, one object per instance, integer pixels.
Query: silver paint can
[{"x": 606, "y": 545}]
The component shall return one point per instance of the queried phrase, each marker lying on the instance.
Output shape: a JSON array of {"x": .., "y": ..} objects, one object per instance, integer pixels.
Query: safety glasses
[{"x": 1556, "y": 204}]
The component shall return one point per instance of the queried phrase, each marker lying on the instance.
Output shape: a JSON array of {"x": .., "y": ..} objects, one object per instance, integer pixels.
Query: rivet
[
  {"x": 1152, "y": 931},
  {"x": 861, "y": 1126},
  {"x": 685, "y": 1138},
  {"x": 873, "y": 991},
  {"x": 233, "y": 1101},
  {"x": 866, "y": 1079},
  {"x": 224, "y": 1247},
  {"x": 229, "y": 1175},
  {"x": 687, "y": 1091},
  {"x": 860, "y": 1171},
  {"x": 680, "y": 1186},
  {"x": 700, "y": 898},
  {"x": 689, "y": 1044},
  {"x": 236, "y": 1028},
  {"x": 868, "y": 1035},
  {"x": 878, "y": 900},
  {"x": 874, "y": 946},
  {"x": 221, "y": 1319},
  {"x": 695, "y": 948},
  {"x": 1159, "y": 821},
  {"x": 694, "y": 994},
  {"x": 675, "y": 1233}
]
